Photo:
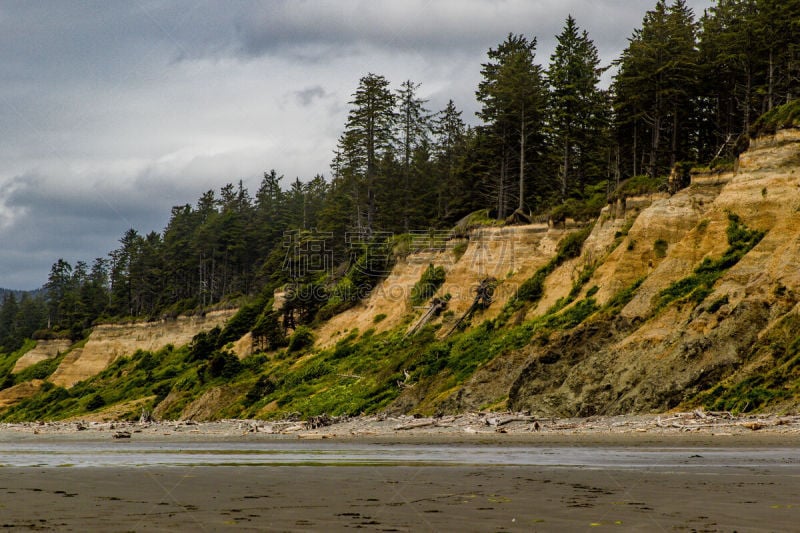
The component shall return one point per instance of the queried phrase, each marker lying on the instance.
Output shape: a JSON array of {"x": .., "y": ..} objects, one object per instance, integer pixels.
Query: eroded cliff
[{"x": 688, "y": 299}]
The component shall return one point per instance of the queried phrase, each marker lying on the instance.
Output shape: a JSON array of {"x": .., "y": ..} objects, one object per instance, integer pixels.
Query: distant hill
[{"x": 17, "y": 293}]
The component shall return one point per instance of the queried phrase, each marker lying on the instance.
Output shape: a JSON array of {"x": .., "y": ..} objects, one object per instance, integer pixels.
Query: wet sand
[
  {"x": 399, "y": 498},
  {"x": 700, "y": 487}
]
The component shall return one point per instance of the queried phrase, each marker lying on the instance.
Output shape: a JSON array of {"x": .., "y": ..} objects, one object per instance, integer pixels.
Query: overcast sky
[{"x": 114, "y": 111}]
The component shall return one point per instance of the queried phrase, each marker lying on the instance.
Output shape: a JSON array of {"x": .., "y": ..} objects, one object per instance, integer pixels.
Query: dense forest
[{"x": 551, "y": 144}]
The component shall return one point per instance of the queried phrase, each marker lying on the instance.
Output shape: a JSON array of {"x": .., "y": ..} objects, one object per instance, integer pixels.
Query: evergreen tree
[
  {"x": 32, "y": 316},
  {"x": 577, "y": 108},
  {"x": 8, "y": 323},
  {"x": 412, "y": 135},
  {"x": 513, "y": 98},
  {"x": 750, "y": 63},
  {"x": 655, "y": 88},
  {"x": 94, "y": 292},
  {"x": 59, "y": 293},
  {"x": 368, "y": 137},
  {"x": 122, "y": 274},
  {"x": 316, "y": 193},
  {"x": 450, "y": 135}
]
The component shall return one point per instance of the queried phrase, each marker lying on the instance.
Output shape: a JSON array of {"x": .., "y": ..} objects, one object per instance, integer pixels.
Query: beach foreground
[
  {"x": 446, "y": 498},
  {"x": 403, "y": 474}
]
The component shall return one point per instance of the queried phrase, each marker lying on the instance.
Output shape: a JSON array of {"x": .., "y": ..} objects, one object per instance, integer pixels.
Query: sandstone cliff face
[
  {"x": 108, "y": 342},
  {"x": 510, "y": 255},
  {"x": 390, "y": 299},
  {"x": 18, "y": 392},
  {"x": 44, "y": 349},
  {"x": 644, "y": 360},
  {"x": 641, "y": 358}
]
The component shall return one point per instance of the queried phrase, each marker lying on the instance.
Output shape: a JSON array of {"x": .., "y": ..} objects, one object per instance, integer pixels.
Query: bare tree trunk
[
  {"x": 501, "y": 193},
  {"x": 406, "y": 170},
  {"x": 370, "y": 173},
  {"x": 565, "y": 169},
  {"x": 747, "y": 90},
  {"x": 635, "y": 140},
  {"x": 655, "y": 140},
  {"x": 771, "y": 90},
  {"x": 674, "y": 145},
  {"x": 522, "y": 161}
]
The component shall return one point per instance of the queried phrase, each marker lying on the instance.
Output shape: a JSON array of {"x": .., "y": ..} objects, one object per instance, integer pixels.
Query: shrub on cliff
[{"x": 781, "y": 117}]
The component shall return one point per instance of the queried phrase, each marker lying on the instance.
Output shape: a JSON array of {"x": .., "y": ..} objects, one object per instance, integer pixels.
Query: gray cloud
[{"x": 306, "y": 97}]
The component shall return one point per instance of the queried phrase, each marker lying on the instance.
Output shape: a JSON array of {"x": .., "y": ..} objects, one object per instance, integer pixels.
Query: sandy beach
[
  {"x": 589, "y": 474},
  {"x": 398, "y": 499}
]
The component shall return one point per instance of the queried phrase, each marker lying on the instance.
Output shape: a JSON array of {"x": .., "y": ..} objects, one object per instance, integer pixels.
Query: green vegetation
[
  {"x": 639, "y": 186},
  {"x": 532, "y": 289},
  {"x": 458, "y": 250},
  {"x": 41, "y": 370},
  {"x": 477, "y": 219},
  {"x": 360, "y": 374},
  {"x": 7, "y": 362},
  {"x": 550, "y": 142},
  {"x": 302, "y": 338},
  {"x": 582, "y": 207},
  {"x": 785, "y": 116},
  {"x": 695, "y": 287},
  {"x": 400, "y": 168},
  {"x": 622, "y": 298},
  {"x": 777, "y": 381},
  {"x": 660, "y": 248},
  {"x": 430, "y": 281}
]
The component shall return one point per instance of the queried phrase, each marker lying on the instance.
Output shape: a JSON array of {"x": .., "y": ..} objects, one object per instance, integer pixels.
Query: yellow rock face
[
  {"x": 44, "y": 349},
  {"x": 108, "y": 342},
  {"x": 644, "y": 362}
]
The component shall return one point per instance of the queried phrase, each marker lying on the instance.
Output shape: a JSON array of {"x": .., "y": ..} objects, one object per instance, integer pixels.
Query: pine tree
[
  {"x": 682, "y": 81},
  {"x": 413, "y": 127},
  {"x": 60, "y": 295},
  {"x": 8, "y": 327},
  {"x": 751, "y": 62},
  {"x": 123, "y": 260},
  {"x": 577, "y": 107},
  {"x": 368, "y": 137},
  {"x": 32, "y": 316},
  {"x": 655, "y": 87},
  {"x": 316, "y": 193},
  {"x": 776, "y": 27},
  {"x": 450, "y": 135},
  {"x": 513, "y": 98}
]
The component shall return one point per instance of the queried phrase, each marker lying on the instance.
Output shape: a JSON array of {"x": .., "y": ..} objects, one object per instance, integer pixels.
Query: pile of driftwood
[
  {"x": 696, "y": 420},
  {"x": 490, "y": 420},
  {"x": 510, "y": 422},
  {"x": 325, "y": 426}
]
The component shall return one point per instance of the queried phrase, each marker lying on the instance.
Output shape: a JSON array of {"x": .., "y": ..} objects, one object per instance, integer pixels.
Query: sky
[{"x": 112, "y": 112}]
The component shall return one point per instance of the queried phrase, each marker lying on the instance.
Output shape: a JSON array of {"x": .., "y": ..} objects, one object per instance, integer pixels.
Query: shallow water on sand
[{"x": 148, "y": 454}]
